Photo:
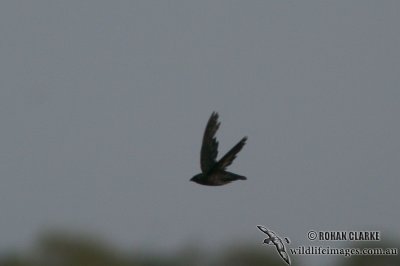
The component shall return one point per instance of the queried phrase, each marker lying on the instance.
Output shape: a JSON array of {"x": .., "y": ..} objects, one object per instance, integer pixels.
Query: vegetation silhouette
[{"x": 72, "y": 249}]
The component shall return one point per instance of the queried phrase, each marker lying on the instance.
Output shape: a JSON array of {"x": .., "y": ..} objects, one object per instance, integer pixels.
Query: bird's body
[
  {"x": 213, "y": 171},
  {"x": 217, "y": 178}
]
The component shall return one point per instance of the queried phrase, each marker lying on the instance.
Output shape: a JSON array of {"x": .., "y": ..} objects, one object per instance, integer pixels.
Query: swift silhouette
[{"x": 213, "y": 172}]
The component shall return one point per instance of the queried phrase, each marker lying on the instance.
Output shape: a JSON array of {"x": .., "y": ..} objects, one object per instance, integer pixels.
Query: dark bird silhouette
[
  {"x": 273, "y": 239},
  {"x": 212, "y": 171}
]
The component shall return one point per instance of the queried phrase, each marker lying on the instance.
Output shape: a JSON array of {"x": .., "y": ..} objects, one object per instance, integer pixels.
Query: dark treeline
[{"x": 60, "y": 249}]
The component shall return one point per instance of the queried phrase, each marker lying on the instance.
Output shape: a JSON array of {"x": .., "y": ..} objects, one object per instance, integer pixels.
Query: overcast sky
[{"x": 103, "y": 105}]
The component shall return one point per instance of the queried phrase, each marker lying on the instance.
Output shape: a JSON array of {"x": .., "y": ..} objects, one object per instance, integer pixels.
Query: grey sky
[{"x": 103, "y": 106}]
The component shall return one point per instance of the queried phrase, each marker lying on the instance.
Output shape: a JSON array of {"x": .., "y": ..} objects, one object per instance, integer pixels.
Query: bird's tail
[{"x": 232, "y": 177}]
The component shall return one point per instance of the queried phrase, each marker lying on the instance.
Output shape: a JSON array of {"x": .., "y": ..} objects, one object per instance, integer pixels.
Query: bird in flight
[{"x": 213, "y": 172}]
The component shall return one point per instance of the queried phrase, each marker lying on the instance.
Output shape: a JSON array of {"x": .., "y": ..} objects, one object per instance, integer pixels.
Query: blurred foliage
[
  {"x": 245, "y": 255},
  {"x": 66, "y": 249}
]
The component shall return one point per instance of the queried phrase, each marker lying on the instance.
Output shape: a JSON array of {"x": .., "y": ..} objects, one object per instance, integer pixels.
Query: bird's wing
[
  {"x": 231, "y": 155},
  {"x": 265, "y": 230},
  {"x": 209, "y": 147},
  {"x": 285, "y": 256}
]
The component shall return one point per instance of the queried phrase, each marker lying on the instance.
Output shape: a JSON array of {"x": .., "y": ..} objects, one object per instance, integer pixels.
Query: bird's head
[{"x": 197, "y": 178}]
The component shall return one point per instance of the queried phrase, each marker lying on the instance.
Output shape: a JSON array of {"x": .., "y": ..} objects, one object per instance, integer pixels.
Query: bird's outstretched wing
[
  {"x": 231, "y": 155},
  {"x": 209, "y": 147}
]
